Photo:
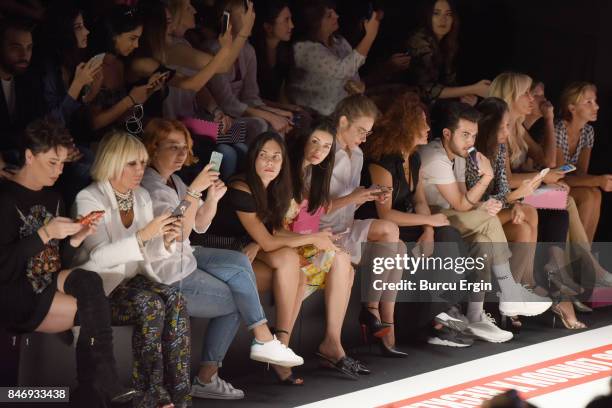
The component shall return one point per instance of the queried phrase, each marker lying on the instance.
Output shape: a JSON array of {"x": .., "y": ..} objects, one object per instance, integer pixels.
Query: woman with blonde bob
[
  {"x": 128, "y": 241},
  {"x": 575, "y": 138},
  {"x": 218, "y": 284}
]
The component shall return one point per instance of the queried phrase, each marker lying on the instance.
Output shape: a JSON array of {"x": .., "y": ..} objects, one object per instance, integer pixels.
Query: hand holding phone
[
  {"x": 91, "y": 218},
  {"x": 215, "y": 161},
  {"x": 473, "y": 156},
  {"x": 180, "y": 209},
  {"x": 543, "y": 173}
]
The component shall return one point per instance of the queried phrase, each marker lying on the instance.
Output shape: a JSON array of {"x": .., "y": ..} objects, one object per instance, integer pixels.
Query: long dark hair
[
  {"x": 266, "y": 12},
  {"x": 58, "y": 42},
  {"x": 321, "y": 173},
  {"x": 309, "y": 16},
  {"x": 120, "y": 19},
  {"x": 449, "y": 45},
  {"x": 492, "y": 112},
  {"x": 154, "y": 27},
  {"x": 273, "y": 202}
]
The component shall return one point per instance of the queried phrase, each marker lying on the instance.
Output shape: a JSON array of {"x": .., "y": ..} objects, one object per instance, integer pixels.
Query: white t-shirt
[
  {"x": 437, "y": 168},
  {"x": 8, "y": 88}
]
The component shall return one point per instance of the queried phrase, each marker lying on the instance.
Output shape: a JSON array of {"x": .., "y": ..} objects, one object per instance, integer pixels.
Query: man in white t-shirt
[{"x": 443, "y": 163}]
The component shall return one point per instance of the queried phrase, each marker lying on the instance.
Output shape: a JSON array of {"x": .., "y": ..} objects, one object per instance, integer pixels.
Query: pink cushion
[{"x": 548, "y": 197}]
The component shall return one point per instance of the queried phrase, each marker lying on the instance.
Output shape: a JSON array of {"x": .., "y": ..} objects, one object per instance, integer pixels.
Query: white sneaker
[
  {"x": 530, "y": 296},
  {"x": 275, "y": 352},
  {"x": 528, "y": 307},
  {"x": 604, "y": 280},
  {"x": 216, "y": 389},
  {"x": 451, "y": 322},
  {"x": 486, "y": 330}
]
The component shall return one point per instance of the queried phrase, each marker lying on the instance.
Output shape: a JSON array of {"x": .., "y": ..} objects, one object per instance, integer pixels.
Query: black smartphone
[
  {"x": 225, "y": 22},
  {"x": 370, "y": 12},
  {"x": 180, "y": 209}
]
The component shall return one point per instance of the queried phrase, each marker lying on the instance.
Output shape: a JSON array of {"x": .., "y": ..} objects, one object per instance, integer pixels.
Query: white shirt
[
  {"x": 437, "y": 168},
  {"x": 166, "y": 198},
  {"x": 113, "y": 251},
  {"x": 345, "y": 178}
]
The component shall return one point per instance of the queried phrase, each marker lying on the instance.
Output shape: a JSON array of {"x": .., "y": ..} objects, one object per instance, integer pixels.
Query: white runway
[{"x": 566, "y": 372}]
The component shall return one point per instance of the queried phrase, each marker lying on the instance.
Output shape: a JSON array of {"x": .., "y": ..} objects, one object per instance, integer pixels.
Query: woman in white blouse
[
  {"x": 127, "y": 241},
  {"x": 218, "y": 284},
  {"x": 326, "y": 67}
]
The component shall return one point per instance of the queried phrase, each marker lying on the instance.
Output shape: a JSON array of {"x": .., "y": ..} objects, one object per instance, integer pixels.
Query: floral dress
[{"x": 315, "y": 263}]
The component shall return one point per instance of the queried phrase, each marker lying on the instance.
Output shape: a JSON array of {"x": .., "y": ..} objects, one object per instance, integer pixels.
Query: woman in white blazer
[{"x": 127, "y": 240}]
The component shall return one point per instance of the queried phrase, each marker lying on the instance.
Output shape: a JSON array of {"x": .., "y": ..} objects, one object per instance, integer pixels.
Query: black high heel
[
  {"x": 511, "y": 323},
  {"x": 371, "y": 325},
  {"x": 387, "y": 351}
]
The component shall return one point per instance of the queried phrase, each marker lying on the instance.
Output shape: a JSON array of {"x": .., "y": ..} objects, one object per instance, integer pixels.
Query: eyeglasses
[
  {"x": 133, "y": 124},
  {"x": 364, "y": 132},
  {"x": 275, "y": 158}
]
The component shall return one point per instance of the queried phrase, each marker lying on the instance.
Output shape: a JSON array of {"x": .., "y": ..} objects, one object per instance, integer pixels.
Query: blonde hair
[
  {"x": 159, "y": 129},
  {"x": 510, "y": 86},
  {"x": 354, "y": 107},
  {"x": 116, "y": 149},
  {"x": 572, "y": 95}
]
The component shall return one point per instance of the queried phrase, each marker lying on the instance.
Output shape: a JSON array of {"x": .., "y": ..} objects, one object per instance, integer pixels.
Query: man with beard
[
  {"x": 21, "y": 98},
  {"x": 443, "y": 171}
]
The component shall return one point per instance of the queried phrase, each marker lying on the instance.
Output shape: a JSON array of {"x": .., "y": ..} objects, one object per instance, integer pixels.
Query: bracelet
[
  {"x": 194, "y": 194},
  {"x": 468, "y": 200},
  {"x": 133, "y": 100},
  {"x": 243, "y": 36}
]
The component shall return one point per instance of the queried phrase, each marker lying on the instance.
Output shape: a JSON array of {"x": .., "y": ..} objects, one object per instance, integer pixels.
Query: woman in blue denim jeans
[{"x": 218, "y": 284}]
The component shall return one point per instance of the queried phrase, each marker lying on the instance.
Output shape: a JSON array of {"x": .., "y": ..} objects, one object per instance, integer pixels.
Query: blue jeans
[
  {"x": 234, "y": 156},
  {"x": 222, "y": 289}
]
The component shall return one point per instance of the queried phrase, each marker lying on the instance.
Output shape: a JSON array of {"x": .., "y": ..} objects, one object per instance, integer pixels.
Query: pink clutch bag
[
  {"x": 202, "y": 127},
  {"x": 548, "y": 198}
]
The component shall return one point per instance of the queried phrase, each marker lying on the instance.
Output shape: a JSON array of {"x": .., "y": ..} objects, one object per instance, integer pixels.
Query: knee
[
  {"x": 389, "y": 231},
  {"x": 285, "y": 258},
  {"x": 595, "y": 197},
  {"x": 81, "y": 280}
]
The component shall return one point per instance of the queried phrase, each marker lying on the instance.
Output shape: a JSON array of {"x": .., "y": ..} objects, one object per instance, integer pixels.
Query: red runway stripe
[{"x": 531, "y": 381}]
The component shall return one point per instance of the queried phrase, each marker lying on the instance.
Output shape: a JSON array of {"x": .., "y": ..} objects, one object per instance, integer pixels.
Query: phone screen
[{"x": 215, "y": 160}]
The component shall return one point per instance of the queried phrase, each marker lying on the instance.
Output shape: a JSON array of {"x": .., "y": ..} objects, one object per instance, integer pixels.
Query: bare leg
[
  {"x": 588, "y": 201},
  {"x": 337, "y": 292}
]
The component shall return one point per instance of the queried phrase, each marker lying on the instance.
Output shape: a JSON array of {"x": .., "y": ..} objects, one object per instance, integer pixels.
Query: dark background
[{"x": 556, "y": 42}]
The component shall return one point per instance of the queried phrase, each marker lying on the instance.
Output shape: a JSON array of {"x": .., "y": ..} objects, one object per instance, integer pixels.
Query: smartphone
[
  {"x": 472, "y": 155},
  {"x": 566, "y": 168},
  {"x": 167, "y": 75},
  {"x": 225, "y": 20},
  {"x": 370, "y": 11},
  {"x": 97, "y": 59},
  {"x": 180, "y": 209},
  {"x": 215, "y": 160},
  {"x": 543, "y": 173},
  {"x": 91, "y": 217}
]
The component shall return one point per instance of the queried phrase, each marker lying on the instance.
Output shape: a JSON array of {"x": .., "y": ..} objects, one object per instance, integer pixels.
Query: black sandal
[
  {"x": 291, "y": 380},
  {"x": 345, "y": 365}
]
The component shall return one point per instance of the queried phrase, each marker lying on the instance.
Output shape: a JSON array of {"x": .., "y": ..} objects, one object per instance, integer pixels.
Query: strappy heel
[{"x": 371, "y": 325}]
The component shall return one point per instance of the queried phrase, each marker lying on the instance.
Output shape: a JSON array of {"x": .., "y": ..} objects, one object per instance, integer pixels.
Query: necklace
[{"x": 125, "y": 201}]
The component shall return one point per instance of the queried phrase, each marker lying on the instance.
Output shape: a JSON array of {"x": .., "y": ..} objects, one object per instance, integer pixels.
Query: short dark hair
[
  {"x": 17, "y": 24},
  {"x": 447, "y": 114},
  {"x": 42, "y": 135}
]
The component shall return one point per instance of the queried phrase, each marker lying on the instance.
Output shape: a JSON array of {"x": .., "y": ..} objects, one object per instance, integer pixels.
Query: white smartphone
[
  {"x": 97, "y": 59},
  {"x": 215, "y": 160},
  {"x": 566, "y": 168}
]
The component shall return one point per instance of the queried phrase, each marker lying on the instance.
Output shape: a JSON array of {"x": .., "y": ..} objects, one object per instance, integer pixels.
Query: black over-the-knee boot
[{"x": 95, "y": 358}]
